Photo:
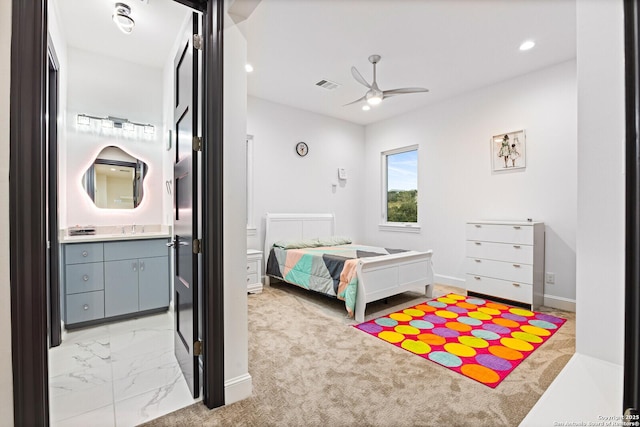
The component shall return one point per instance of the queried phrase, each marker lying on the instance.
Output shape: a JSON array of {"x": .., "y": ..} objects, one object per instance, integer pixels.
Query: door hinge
[
  {"x": 197, "y": 41},
  {"x": 197, "y": 143},
  {"x": 197, "y": 348},
  {"x": 197, "y": 246}
]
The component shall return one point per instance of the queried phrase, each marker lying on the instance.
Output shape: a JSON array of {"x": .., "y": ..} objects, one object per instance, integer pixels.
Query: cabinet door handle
[
  {"x": 516, "y": 246},
  {"x": 85, "y": 277},
  {"x": 85, "y": 307},
  {"x": 477, "y": 277},
  {"x": 478, "y": 260},
  {"x": 517, "y": 285},
  {"x": 478, "y": 243},
  {"x": 478, "y": 225},
  {"x": 134, "y": 265},
  {"x": 517, "y": 227},
  {"x": 248, "y": 266},
  {"x": 85, "y": 254},
  {"x": 141, "y": 265},
  {"x": 248, "y": 278},
  {"x": 516, "y": 265}
]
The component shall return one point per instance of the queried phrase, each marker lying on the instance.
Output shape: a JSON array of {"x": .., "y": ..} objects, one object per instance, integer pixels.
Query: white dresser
[
  {"x": 254, "y": 271},
  {"x": 505, "y": 259}
]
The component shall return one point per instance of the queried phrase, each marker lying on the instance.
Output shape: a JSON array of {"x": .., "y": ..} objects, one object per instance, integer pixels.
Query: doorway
[{"x": 28, "y": 217}]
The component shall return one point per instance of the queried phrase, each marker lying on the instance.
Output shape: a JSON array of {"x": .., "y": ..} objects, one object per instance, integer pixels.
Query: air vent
[{"x": 328, "y": 84}]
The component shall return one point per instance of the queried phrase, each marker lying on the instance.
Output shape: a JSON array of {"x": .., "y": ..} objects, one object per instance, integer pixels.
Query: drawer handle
[
  {"x": 248, "y": 278},
  {"x": 516, "y": 246},
  {"x": 477, "y": 277},
  {"x": 478, "y": 260},
  {"x": 85, "y": 254},
  {"x": 248, "y": 267},
  {"x": 516, "y": 265},
  {"x": 517, "y": 227},
  {"x": 85, "y": 307},
  {"x": 478, "y": 243},
  {"x": 517, "y": 285},
  {"x": 478, "y": 225},
  {"x": 85, "y": 277}
]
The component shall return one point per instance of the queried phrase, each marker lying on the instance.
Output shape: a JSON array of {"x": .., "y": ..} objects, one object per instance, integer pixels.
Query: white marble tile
[
  {"x": 162, "y": 320},
  {"x": 146, "y": 380},
  {"x": 76, "y": 403},
  {"x": 153, "y": 404},
  {"x": 102, "y": 417},
  {"x": 78, "y": 380},
  {"x": 84, "y": 334},
  {"x": 78, "y": 356},
  {"x": 141, "y": 342},
  {"x": 123, "y": 368}
]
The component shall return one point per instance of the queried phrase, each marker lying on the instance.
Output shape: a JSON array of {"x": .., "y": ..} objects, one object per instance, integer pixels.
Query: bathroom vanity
[{"x": 112, "y": 277}]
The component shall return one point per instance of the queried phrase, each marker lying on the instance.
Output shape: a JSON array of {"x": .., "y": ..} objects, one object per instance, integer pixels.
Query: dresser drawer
[
  {"x": 504, "y": 270},
  {"x": 84, "y": 277},
  {"x": 517, "y": 253},
  {"x": 85, "y": 306},
  {"x": 511, "y": 290},
  {"x": 252, "y": 278},
  {"x": 252, "y": 267},
  {"x": 82, "y": 252},
  {"x": 133, "y": 249},
  {"x": 500, "y": 233}
]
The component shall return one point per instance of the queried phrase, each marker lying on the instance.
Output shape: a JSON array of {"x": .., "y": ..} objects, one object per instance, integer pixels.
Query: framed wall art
[{"x": 508, "y": 151}]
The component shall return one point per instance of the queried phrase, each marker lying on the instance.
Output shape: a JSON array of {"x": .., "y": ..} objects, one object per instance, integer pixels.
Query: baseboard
[
  {"x": 237, "y": 389},
  {"x": 450, "y": 280},
  {"x": 560, "y": 303}
]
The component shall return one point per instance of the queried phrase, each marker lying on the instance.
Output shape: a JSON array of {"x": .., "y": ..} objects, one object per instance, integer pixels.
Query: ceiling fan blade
[
  {"x": 353, "y": 102},
  {"x": 356, "y": 75},
  {"x": 392, "y": 92}
]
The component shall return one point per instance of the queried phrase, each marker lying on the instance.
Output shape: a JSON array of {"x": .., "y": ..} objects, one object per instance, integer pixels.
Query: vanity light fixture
[
  {"x": 111, "y": 122},
  {"x": 122, "y": 19}
]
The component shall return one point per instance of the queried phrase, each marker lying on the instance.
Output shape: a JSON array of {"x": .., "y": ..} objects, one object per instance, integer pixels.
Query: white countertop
[{"x": 115, "y": 236}]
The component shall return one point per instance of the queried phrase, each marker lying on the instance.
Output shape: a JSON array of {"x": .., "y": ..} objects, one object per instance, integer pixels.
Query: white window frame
[
  {"x": 251, "y": 228},
  {"x": 406, "y": 227}
]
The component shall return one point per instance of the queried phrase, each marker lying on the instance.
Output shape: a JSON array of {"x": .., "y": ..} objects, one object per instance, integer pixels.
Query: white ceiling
[
  {"x": 447, "y": 46},
  {"x": 87, "y": 25}
]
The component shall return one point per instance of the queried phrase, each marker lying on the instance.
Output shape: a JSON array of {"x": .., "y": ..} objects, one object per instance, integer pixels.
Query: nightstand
[{"x": 254, "y": 271}]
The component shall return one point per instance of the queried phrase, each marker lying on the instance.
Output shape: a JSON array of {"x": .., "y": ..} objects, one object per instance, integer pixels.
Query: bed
[{"x": 377, "y": 275}]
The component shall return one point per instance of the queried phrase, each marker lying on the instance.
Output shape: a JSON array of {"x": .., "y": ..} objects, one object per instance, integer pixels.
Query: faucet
[{"x": 133, "y": 228}]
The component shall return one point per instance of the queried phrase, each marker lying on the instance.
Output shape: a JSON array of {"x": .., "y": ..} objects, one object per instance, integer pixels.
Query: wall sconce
[{"x": 110, "y": 122}]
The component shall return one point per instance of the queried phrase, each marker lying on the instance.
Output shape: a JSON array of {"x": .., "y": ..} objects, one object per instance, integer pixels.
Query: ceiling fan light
[
  {"x": 374, "y": 100},
  {"x": 122, "y": 19}
]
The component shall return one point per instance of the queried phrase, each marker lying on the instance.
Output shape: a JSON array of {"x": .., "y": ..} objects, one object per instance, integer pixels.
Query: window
[{"x": 400, "y": 186}]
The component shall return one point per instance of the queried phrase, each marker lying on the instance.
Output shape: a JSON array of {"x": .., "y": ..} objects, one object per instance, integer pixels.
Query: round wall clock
[{"x": 302, "y": 149}]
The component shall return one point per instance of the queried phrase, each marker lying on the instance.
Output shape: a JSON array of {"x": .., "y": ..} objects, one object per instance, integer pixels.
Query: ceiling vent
[{"x": 328, "y": 84}]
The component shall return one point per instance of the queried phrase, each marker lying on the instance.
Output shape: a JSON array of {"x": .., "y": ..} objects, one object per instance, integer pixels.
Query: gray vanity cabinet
[{"x": 104, "y": 280}]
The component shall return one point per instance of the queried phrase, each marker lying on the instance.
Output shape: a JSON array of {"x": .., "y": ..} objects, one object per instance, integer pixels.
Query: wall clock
[{"x": 302, "y": 149}]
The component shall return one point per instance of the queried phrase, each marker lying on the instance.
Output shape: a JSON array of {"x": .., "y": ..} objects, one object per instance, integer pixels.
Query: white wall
[
  {"x": 6, "y": 375},
  {"x": 456, "y": 183},
  {"x": 285, "y": 182},
  {"x": 600, "y": 242},
  {"x": 103, "y": 86},
  {"x": 236, "y": 336}
]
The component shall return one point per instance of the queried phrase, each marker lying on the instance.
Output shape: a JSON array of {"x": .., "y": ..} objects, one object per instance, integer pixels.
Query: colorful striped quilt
[{"x": 330, "y": 270}]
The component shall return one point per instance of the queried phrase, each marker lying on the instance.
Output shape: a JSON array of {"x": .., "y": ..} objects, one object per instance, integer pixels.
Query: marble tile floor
[{"x": 117, "y": 375}]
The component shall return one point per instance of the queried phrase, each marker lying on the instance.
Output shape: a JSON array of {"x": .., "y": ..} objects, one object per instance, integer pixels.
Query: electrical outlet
[{"x": 550, "y": 278}]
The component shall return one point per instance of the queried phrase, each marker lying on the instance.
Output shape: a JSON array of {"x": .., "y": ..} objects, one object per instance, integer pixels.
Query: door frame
[
  {"x": 27, "y": 243},
  {"x": 631, "y": 392}
]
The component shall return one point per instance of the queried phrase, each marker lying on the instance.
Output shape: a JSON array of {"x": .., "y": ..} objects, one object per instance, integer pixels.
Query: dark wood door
[{"x": 186, "y": 279}]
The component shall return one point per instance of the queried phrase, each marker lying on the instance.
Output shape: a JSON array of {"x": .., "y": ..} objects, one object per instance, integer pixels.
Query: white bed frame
[{"x": 378, "y": 277}]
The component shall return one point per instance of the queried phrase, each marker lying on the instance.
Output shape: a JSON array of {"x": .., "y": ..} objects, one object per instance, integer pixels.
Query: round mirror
[{"x": 115, "y": 179}]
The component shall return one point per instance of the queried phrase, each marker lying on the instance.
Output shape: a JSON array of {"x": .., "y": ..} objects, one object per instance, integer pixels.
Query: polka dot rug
[{"x": 480, "y": 339}]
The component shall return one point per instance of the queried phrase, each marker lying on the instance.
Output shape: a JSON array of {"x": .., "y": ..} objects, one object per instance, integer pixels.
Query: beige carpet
[{"x": 311, "y": 368}]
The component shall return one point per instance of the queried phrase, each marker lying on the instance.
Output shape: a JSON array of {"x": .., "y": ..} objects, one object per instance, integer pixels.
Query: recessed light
[
  {"x": 249, "y": 68},
  {"x": 526, "y": 45},
  {"x": 366, "y": 108}
]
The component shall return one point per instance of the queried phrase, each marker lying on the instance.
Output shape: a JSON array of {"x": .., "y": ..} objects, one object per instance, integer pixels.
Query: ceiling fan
[{"x": 374, "y": 95}]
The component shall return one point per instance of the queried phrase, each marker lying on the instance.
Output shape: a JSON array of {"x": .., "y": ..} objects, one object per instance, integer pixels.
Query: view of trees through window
[{"x": 402, "y": 186}]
